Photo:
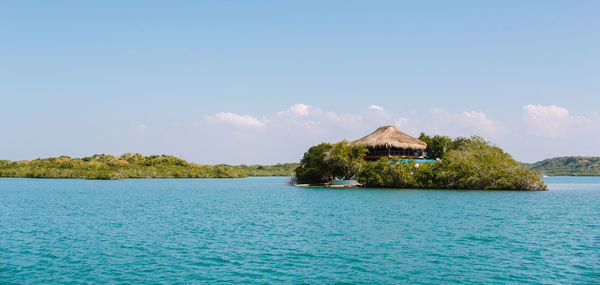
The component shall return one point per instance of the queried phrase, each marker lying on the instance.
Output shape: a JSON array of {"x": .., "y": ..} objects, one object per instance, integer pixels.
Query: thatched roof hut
[{"x": 390, "y": 137}]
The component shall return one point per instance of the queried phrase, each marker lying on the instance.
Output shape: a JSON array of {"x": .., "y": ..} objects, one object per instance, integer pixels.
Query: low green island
[
  {"x": 567, "y": 166},
  {"x": 108, "y": 167},
  {"x": 460, "y": 163}
]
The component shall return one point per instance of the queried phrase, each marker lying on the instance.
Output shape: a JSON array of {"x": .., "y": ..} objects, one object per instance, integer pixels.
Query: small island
[
  {"x": 386, "y": 158},
  {"x": 567, "y": 166},
  {"x": 389, "y": 158},
  {"x": 108, "y": 167}
]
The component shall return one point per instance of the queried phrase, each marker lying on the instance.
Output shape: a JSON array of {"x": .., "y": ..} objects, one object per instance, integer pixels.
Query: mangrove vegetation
[
  {"x": 567, "y": 166},
  {"x": 460, "y": 163},
  {"x": 101, "y": 166}
]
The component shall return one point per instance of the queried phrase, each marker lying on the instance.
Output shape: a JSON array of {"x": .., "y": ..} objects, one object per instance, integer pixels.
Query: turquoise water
[{"x": 258, "y": 230}]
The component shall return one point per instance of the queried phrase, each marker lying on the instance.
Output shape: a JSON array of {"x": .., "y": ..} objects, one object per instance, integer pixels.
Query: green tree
[
  {"x": 346, "y": 160},
  {"x": 476, "y": 164},
  {"x": 468, "y": 163},
  {"x": 437, "y": 145},
  {"x": 313, "y": 167}
]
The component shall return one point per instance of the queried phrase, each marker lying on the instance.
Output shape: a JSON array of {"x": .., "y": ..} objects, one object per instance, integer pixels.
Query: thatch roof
[{"x": 390, "y": 137}]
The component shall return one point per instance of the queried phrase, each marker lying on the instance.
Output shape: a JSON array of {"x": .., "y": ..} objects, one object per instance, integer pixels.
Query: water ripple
[{"x": 257, "y": 230}]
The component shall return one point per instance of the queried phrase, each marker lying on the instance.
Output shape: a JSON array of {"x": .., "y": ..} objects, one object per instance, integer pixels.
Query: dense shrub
[
  {"x": 568, "y": 166},
  {"x": 323, "y": 162},
  {"x": 465, "y": 163},
  {"x": 280, "y": 169},
  {"x": 101, "y": 166},
  {"x": 313, "y": 167},
  {"x": 479, "y": 165}
]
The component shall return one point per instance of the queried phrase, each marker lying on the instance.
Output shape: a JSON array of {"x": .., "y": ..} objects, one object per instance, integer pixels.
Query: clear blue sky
[{"x": 84, "y": 77}]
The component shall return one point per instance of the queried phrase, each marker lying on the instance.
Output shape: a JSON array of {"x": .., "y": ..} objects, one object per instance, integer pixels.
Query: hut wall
[{"x": 399, "y": 152}]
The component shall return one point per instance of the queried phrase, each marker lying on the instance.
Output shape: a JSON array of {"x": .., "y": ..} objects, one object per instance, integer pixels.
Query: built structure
[{"x": 389, "y": 142}]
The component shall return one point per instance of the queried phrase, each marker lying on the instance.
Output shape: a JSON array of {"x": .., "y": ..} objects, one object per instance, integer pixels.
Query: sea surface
[{"x": 259, "y": 230}]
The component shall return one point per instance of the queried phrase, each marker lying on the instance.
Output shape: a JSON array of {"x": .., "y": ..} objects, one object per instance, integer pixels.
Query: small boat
[{"x": 341, "y": 182}]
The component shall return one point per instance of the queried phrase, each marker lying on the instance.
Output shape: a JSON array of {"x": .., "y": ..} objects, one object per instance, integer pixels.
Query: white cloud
[
  {"x": 301, "y": 117},
  {"x": 285, "y": 135},
  {"x": 555, "y": 121},
  {"x": 298, "y": 110},
  {"x": 375, "y": 107},
  {"x": 307, "y": 119},
  {"x": 377, "y": 115},
  {"x": 467, "y": 123},
  {"x": 242, "y": 121},
  {"x": 411, "y": 125},
  {"x": 141, "y": 128},
  {"x": 402, "y": 122},
  {"x": 479, "y": 121}
]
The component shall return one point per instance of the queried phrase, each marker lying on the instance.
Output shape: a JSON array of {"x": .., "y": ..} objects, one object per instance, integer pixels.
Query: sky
[{"x": 258, "y": 82}]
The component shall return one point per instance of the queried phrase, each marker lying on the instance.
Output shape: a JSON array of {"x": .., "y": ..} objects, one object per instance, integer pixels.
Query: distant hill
[{"x": 567, "y": 166}]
